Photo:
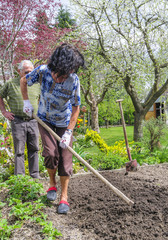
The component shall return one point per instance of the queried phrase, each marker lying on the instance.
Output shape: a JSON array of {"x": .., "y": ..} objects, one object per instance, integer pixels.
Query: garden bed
[{"x": 97, "y": 213}]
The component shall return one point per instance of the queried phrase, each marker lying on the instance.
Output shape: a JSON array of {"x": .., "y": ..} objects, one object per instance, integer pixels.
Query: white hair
[{"x": 25, "y": 62}]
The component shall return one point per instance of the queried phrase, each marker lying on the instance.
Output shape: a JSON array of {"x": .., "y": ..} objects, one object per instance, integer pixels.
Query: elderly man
[{"x": 24, "y": 128}]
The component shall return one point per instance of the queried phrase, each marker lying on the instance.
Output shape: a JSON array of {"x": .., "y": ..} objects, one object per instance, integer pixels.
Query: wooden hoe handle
[{"x": 114, "y": 189}]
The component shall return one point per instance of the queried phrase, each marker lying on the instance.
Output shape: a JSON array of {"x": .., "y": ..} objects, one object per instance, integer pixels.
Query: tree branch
[
  {"x": 105, "y": 90},
  {"x": 132, "y": 93},
  {"x": 157, "y": 94}
]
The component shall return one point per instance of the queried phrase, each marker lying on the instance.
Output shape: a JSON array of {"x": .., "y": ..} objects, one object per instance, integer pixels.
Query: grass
[
  {"x": 139, "y": 150},
  {"x": 111, "y": 135},
  {"x": 164, "y": 139}
]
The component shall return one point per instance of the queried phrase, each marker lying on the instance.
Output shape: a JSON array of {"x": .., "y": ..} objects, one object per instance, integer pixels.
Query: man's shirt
[
  {"x": 12, "y": 93},
  {"x": 56, "y": 99}
]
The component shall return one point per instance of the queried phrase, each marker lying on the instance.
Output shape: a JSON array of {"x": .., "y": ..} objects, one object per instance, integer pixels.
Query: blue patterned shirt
[{"x": 56, "y": 99}]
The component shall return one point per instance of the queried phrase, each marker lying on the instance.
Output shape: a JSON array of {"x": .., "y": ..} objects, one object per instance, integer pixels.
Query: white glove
[
  {"x": 28, "y": 108},
  {"x": 65, "y": 140}
]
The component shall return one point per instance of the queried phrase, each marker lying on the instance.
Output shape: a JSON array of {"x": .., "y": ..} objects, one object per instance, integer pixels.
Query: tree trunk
[
  {"x": 107, "y": 123},
  {"x": 138, "y": 125},
  {"x": 3, "y": 71},
  {"x": 95, "y": 119}
]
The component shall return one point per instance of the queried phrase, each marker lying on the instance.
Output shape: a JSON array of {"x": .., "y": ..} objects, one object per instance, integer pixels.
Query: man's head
[
  {"x": 25, "y": 67},
  {"x": 65, "y": 60}
]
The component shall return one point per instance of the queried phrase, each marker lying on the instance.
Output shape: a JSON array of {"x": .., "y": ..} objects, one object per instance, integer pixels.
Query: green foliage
[
  {"x": 6, "y": 152},
  {"x": 5, "y": 173},
  {"x": 80, "y": 141},
  {"x": 118, "y": 148},
  {"x": 109, "y": 112},
  {"x": 64, "y": 19},
  {"x": 1, "y": 128},
  {"x": 162, "y": 154},
  {"x": 2, "y": 204},
  {"x": 107, "y": 161},
  {"x": 79, "y": 147},
  {"x": 42, "y": 168},
  {"x": 26, "y": 163},
  {"x": 5, "y": 229},
  {"x": 26, "y": 203},
  {"x": 128, "y": 110},
  {"x": 26, "y": 210},
  {"x": 115, "y": 134},
  {"x": 24, "y": 188},
  {"x": 2, "y": 118},
  {"x": 81, "y": 125},
  {"x": 114, "y": 156},
  {"x": 79, "y": 129},
  {"x": 90, "y": 134},
  {"x": 48, "y": 230},
  {"x": 154, "y": 129},
  {"x": 143, "y": 154},
  {"x": 116, "y": 159},
  {"x": 7, "y": 155}
]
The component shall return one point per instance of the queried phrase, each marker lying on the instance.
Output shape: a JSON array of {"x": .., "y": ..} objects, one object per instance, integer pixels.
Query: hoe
[
  {"x": 131, "y": 166},
  {"x": 96, "y": 173}
]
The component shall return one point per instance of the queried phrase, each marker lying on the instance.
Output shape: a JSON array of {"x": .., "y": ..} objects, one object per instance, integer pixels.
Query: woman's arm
[{"x": 74, "y": 117}]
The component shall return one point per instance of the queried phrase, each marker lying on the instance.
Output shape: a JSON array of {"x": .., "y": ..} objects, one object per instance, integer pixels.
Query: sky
[{"x": 68, "y": 5}]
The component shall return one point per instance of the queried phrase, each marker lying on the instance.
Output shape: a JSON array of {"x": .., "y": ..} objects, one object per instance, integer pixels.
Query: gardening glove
[
  {"x": 66, "y": 138},
  {"x": 28, "y": 108}
]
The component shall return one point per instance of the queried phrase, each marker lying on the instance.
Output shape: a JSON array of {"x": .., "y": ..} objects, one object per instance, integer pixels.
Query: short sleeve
[
  {"x": 76, "y": 100},
  {"x": 34, "y": 76}
]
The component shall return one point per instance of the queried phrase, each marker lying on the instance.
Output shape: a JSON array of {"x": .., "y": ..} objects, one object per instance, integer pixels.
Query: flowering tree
[
  {"x": 133, "y": 38},
  {"x": 96, "y": 80},
  {"x": 27, "y": 31}
]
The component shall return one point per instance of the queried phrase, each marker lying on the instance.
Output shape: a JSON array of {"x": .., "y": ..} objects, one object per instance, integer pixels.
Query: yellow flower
[
  {"x": 118, "y": 148},
  {"x": 5, "y": 125}
]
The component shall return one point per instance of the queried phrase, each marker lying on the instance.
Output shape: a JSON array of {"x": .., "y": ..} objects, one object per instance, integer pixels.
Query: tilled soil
[
  {"x": 96, "y": 212},
  {"x": 95, "y": 207}
]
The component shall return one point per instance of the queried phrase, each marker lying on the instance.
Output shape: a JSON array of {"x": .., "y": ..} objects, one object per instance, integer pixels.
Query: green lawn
[{"x": 111, "y": 135}]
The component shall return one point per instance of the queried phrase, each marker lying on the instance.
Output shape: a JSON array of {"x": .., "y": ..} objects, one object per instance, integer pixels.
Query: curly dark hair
[{"x": 65, "y": 59}]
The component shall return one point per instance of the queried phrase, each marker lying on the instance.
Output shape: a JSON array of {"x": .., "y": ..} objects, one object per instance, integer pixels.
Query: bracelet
[{"x": 69, "y": 130}]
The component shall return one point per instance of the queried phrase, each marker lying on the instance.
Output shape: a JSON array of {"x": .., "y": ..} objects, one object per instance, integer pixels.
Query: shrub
[
  {"x": 95, "y": 137},
  {"x": 6, "y": 152},
  {"x": 107, "y": 161},
  {"x": 154, "y": 129},
  {"x": 112, "y": 157},
  {"x": 142, "y": 154},
  {"x": 118, "y": 148}
]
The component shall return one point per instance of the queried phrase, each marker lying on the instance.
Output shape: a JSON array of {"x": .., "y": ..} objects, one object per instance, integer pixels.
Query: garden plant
[{"x": 25, "y": 204}]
